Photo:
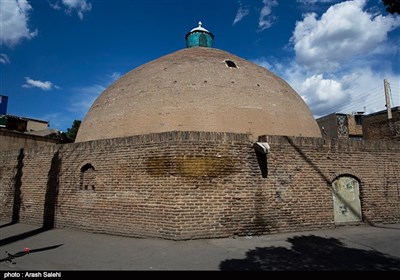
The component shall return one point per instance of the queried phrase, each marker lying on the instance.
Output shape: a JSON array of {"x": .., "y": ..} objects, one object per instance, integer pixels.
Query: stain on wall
[{"x": 186, "y": 185}]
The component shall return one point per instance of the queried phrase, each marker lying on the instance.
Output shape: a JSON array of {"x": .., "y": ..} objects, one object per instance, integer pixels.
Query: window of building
[
  {"x": 342, "y": 126},
  {"x": 202, "y": 40},
  {"x": 358, "y": 119}
]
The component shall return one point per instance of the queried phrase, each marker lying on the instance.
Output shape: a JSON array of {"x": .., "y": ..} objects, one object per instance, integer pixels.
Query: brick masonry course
[{"x": 190, "y": 185}]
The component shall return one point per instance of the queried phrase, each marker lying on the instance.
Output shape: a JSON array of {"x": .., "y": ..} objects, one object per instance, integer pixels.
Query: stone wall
[{"x": 184, "y": 185}]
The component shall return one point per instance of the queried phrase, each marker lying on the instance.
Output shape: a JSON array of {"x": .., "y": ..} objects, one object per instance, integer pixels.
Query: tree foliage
[
  {"x": 392, "y": 6},
  {"x": 71, "y": 132}
]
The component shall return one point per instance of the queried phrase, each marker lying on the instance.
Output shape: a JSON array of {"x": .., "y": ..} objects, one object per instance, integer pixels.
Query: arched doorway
[{"x": 346, "y": 199}]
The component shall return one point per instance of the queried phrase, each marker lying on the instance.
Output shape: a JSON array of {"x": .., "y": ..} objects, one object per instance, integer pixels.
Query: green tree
[
  {"x": 71, "y": 132},
  {"x": 392, "y": 6}
]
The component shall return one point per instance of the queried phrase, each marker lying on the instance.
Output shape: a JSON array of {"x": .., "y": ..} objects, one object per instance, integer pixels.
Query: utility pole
[{"x": 388, "y": 106}]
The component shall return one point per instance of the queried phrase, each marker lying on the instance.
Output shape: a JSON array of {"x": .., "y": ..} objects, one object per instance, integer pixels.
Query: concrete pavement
[{"x": 343, "y": 248}]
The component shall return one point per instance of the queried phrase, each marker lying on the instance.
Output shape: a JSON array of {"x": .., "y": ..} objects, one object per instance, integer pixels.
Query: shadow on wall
[
  {"x": 328, "y": 182},
  {"x": 17, "y": 187},
  {"x": 50, "y": 202},
  {"x": 312, "y": 253},
  {"x": 262, "y": 163}
]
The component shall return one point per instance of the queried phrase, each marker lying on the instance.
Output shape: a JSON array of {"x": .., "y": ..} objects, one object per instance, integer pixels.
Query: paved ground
[{"x": 345, "y": 248}]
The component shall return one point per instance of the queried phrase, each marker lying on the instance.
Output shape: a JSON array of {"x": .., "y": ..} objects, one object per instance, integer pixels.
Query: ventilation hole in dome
[{"x": 230, "y": 64}]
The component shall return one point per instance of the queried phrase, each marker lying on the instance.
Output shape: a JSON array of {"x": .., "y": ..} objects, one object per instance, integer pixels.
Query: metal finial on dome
[{"x": 200, "y": 28}]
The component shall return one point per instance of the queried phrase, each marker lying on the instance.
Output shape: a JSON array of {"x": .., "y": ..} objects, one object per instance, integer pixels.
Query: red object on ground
[{"x": 27, "y": 250}]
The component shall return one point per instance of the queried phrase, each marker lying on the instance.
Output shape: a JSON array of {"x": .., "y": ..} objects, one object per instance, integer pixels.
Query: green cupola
[{"x": 199, "y": 37}]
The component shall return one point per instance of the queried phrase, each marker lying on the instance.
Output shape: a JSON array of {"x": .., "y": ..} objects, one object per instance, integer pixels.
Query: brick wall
[
  {"x": 184, "y": 185},
  {"x": 378, "y": 127},
  {"x": 16, "y": 140}
]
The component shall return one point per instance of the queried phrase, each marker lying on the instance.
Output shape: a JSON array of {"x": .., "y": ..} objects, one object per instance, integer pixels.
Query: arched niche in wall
[
  {"x": 88, "y": 177},
  {"x": 346, "y": 199}
]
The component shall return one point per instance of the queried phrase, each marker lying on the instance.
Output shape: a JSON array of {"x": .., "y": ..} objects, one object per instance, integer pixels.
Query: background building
[
  {"x": 19, "y": 132},
  {"x": 378, "y": 126},
  {"x": 357, "y": 126},
  {"x": 337, "y": 125}
]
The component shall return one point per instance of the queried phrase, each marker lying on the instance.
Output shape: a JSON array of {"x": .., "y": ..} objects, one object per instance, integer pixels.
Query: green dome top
[{"x": 199, "y": 37}]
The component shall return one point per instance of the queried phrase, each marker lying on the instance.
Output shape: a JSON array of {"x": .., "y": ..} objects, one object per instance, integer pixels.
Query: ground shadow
[
  {"x": 312, "y": 253},
  {"x": 327, "y": 180},
  {"x": 10, "y": 257},
  {"x": 7, "y": 224},
  {"x": 21, "y": 236},
  {"x": 386, "y": 226}
]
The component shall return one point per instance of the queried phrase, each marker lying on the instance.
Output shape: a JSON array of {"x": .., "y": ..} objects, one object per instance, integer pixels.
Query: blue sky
[{"x": 57, "y": 56}]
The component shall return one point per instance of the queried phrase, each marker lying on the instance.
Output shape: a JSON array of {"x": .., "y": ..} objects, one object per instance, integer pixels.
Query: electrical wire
[{"x": 374, "y": 98}]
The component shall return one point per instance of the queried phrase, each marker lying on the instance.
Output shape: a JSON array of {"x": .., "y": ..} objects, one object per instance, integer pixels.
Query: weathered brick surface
[
  {"x": 15, "y": 140},
  {"x": 183, "y": 185},
  {"x": 380, "y": 128}
]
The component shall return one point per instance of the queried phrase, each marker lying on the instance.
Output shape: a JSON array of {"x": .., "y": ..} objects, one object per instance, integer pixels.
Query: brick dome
[{"x": 198, "y": 89}]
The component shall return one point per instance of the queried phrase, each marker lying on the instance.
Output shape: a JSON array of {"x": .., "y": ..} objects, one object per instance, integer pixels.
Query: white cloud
[
  {"x": 14, "y": 17},
  {"x": 55, "y": 5},
  {"x": 84, "y": 98},
  {"x": 56, "y": 120},
  {"x": 80, "y": 6},
  {"x": 29, "y": 83},
  {"x": 344, "y": 32},
  {"x": 346, "y": 92},
  {"x": 312, "y": 2},
  {"x": 262, "y": 61},
  {"x": 115, "y": 76},
  {"x": 322, "y": 94},
  {"x": 319, "y": 92},
  {"x": 356, "y": 90},
  {"x": 80, "y": 100},
  {"x": 241, "y": 13},
  {"x": 4, "y": 58},
  {"x": 341, "y": 59},
  {"x": 266, "y": 19}
]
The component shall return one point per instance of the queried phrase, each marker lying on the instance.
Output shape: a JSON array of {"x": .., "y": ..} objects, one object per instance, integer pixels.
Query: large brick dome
[{"x": 198, "y": 89}]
